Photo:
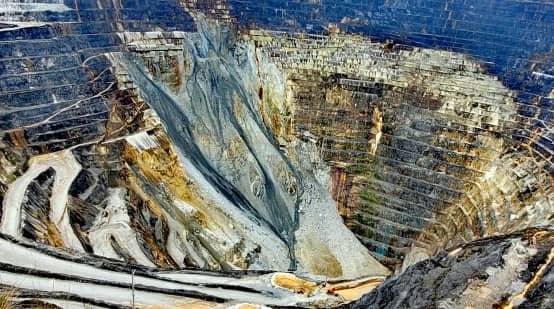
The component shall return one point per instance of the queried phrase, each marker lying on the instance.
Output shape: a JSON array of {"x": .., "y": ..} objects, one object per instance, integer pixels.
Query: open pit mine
[{"x": 277, "y": 154}]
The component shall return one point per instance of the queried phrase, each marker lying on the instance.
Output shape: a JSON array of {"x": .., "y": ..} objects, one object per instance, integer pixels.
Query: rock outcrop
[{"x": 508, "y": 271}]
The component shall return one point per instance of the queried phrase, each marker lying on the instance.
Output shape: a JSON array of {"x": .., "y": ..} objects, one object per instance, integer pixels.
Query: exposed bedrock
[
  {"x": 63, "y": 168},
  {"x": 214, "y": 192},
  {"x": 420, "y": 142},
  {"x": 52, "y": 276},
  {"x": 132, "y": 199},
  {"x": 209, "y": 102},
  {"x": 499, "y": 272},
  {"x": 154, "y": 133}
]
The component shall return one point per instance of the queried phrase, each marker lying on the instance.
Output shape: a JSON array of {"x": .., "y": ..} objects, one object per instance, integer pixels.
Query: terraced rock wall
[
  {"x": 411, "y": 134},
  {"x": 59, "y": 91},
  {"x": 57, "y": 87},
  {"x": 450, "y": 166},
  {"x": 432, "y": 129},
  {"x": 202, "y": 186}
]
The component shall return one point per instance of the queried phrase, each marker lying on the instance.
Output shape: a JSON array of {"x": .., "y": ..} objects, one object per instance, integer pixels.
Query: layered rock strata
[
  {"x": 512, "y": 271},
  {"x": 54, "y": 278},
  {"x": 203, "y": 186},
  {"x": 418, "y": 140},
  {"x": 224, "y": 137}
]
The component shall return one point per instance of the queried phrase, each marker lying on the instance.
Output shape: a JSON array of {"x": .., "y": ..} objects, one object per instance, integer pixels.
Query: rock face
[
  {"x": 262, "y": 135},
  {"x": 197, "y": 180},
  {"x": 417, "y": 140},
  {"x": 515, "y": 270},
  {"x": 443, "y": 148},
  {"x": 208, "y": 102}
]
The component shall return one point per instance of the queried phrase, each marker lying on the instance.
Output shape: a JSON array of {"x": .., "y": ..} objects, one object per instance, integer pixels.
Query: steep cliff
[
  {"x": 417, "y": 139},
  {"x": 209, "y": 103}
]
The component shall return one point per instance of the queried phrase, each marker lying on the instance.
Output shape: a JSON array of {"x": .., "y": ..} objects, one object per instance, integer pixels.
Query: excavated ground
[{"x": 156, "y": 134}]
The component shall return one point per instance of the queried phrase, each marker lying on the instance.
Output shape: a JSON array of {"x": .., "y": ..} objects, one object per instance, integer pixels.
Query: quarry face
[{"x": 253, "y": 154}]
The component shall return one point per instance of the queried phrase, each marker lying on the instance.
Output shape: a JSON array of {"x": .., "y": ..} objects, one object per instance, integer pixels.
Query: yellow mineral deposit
[
  {"x": 349, "y": 290},
  {"x": 293, "y": 283}
]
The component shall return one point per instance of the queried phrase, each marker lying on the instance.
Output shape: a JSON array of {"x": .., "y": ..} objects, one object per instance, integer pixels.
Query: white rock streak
[
  {"x": 177, "y": 245},
  {"x": 142, "y": 141},
  {"x": 114, "y": 222},
  {"x": 117, "y": 295},
  {"x": 33, "y": 259},
  {"x": 13, "y": 10},
  {"x": 13, "y": 7},
  {"x": 67, "y": 168},
  {"x": 11, "y": 215}
]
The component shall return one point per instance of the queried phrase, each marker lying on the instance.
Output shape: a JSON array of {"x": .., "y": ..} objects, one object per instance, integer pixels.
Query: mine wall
[{"x": 424, "y": 146}]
